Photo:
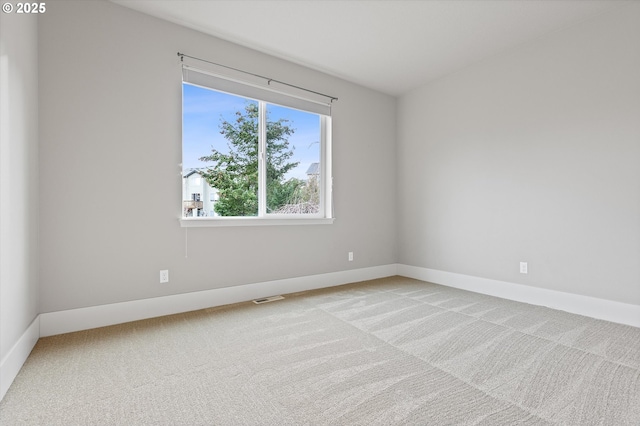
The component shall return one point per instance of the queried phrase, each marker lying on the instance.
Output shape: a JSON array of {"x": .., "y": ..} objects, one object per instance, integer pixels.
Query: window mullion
[
  {"x": 326, "y": 182},
  {"x": 321, "y": 169},
  {"x": 262, "y": 158}
]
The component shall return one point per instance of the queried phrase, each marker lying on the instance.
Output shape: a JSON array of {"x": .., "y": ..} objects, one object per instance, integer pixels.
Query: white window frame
[{"x": 258, "y": 92}]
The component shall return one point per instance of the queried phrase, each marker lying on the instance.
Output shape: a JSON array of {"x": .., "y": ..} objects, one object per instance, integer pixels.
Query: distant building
[
  {"x": 198, "y": 198},
  {"x": 313, "y": 181},
  {"x": 313, "y": 170}
]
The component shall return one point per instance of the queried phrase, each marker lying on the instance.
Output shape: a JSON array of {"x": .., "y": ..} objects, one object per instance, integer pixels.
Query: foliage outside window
[{"x": 252, "y": 158}]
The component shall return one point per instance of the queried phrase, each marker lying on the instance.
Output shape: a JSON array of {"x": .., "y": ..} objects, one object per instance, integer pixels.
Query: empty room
[{"x": 347, "y": 212}]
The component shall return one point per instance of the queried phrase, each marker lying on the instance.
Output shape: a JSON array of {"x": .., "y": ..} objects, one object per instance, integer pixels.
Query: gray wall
[
  {"x": 18, "y": 177},
  {"x": 110, "y": 104},
  {"x": 532, "y": 155}
]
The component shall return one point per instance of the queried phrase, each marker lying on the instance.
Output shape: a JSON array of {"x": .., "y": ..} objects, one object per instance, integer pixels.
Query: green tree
[{"x": 235, "y": 174}]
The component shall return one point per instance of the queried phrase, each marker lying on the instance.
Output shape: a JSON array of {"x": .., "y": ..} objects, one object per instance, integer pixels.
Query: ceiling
[{"x": 389, "y": 46}]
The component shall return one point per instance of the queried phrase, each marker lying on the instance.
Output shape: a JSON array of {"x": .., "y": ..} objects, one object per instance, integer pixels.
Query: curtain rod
[{"x": 269, "y": 80}]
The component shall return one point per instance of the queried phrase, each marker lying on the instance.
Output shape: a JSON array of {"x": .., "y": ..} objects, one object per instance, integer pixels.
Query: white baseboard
[
  {"x": 52, "y": 323},
  {"x": 609, "y": 310},
  {"x": 13, "y": 361},
  {"x": 48, "y": 324}
]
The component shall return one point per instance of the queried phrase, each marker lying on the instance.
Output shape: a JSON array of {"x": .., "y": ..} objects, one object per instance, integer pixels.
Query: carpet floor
[{"x": 393, "y": 351}]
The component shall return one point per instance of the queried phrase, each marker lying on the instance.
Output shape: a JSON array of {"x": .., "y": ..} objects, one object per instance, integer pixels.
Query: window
[{"x": 265, "y": 154}]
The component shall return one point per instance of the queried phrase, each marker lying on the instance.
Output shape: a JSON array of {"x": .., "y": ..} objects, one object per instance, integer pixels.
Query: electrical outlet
[
  {"x": 350, "y": 256},
  {"x": 164, "y": 276},
  {"x": 524, "y": 269}
]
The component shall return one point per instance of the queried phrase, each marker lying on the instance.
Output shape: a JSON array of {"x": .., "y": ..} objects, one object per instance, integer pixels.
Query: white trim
[
  {"x": 263, "y": 97},
  {"x": 262, "y": 158},
  {"x": 99, "y": 316},
  {"x": 609, "y": 310},
  {"x": 326, "y": 178},
  {"x": 12, "y": 363},
  {"x": 203, "y": 222},
  {"x": 52, "y": 323}
]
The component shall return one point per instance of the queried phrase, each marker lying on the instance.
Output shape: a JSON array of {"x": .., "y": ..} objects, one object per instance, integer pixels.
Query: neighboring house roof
[
  {"x": 192, "y": 172},
  {"x": 313, "y": 169}
]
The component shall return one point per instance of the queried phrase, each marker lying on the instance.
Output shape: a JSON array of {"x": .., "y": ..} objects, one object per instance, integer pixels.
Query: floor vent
[{"x": 267, "y": 299}]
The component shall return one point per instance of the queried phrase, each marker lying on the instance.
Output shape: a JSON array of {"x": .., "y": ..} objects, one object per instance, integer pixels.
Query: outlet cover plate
[{"x": 524, "y": 268}]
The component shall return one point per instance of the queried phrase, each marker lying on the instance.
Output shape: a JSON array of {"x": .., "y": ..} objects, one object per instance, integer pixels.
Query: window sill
[{"x": 206, "y": 222}]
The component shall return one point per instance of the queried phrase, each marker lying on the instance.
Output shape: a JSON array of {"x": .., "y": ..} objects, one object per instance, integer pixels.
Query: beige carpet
[{"x": 384, "y": 352}]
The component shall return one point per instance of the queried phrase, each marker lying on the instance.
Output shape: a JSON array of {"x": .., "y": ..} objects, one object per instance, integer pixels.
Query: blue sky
[{"x": 203, "y": 110}]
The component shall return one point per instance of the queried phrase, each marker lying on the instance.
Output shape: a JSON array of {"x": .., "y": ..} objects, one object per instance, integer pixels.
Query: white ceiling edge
[{"x": 389, "y": 46}]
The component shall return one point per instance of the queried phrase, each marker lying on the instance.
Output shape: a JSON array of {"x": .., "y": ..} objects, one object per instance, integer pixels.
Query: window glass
[
  {"x": 258, "y": 158},
  {"x": 293, "y": 157},
  {"x": 220, "y": 141}
]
